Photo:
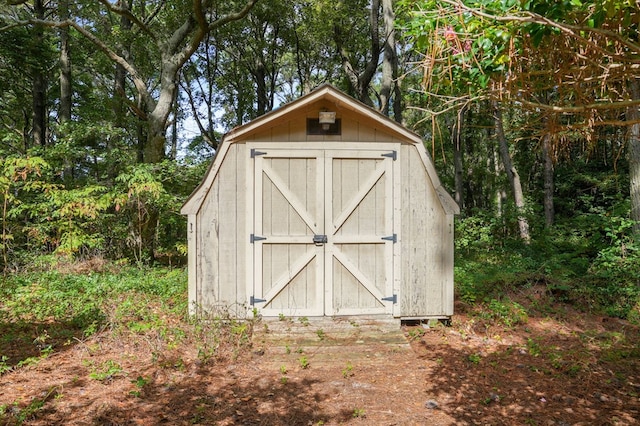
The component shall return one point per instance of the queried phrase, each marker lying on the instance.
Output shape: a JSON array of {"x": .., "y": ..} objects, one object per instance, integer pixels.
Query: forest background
[{"x": 111, "y": 111}]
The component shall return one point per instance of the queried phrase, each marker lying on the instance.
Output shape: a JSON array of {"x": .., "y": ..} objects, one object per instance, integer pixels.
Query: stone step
[{"x": 327, "y": 340}]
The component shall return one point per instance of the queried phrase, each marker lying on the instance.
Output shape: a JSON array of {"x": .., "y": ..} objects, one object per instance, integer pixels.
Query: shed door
[{"x": 323, "y": 238}]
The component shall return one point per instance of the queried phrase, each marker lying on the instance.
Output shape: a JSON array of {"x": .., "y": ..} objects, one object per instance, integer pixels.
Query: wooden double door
[{"x": 324, "y": 236}]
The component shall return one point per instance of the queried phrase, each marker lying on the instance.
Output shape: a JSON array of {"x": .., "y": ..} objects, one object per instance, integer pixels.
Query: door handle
[{"x": 319, "y": 239}]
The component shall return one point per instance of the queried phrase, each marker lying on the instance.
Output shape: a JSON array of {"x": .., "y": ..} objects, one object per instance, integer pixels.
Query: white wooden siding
[
  {"x": 427, "y": 244},
  {"x": 220, "y": 271}
]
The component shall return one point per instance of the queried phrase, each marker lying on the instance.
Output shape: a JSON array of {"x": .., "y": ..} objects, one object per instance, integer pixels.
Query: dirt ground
[{"x": 558, "y": 367}]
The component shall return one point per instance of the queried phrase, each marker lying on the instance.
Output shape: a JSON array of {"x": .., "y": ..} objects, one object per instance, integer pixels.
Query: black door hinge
[
  {"x": 393, "y": 299},
  {"x": 255, "y": 238},
  {"x": 253, "y": 300},
  {"x": 255, "y": 153},
  {"x": 393, "y": 155},
  {"x": 393, "y": 238}
]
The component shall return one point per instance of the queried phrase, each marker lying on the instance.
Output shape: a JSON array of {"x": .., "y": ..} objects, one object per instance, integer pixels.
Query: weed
[
  {"x": 106, "y": 371},
  {"x": 359, "y": 413},
  {"x": 140, "y": 383},
  {"x": 4, "y": 367},
  {"x": 173, "y": 364},
  {"x": 304, "y": 321},
  {"x": 348, "y": 370},
  {"x": 573, "y": 370},
  {"x": 304, "y": 362},
  {"x": 534, "y": 347},
  {"x": 505, "y": 311},
  {"x": 321, "y": 334},
  {"x": 281, "y": 317},
  {"x": 283, "y": 371},
  {"x": 556, "y": 360},
  {"x": 493, "y": 397},
  {"x": 30, "y": 410},
  {"x": 475, "y": 358},
  {"x": 30, "y": 361},
  {"x": 287, "y": 349},
  {"x": 416, "y": 333}
]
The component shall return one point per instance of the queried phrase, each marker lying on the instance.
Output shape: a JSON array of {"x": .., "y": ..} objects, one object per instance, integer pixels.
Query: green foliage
[
  {"x": 463, "y": 52},
  {"x": 416, "y": 333},
  {"x": 304, "y": 362},
  {"x": 86, "y": 302},
  {"x": 359, "y": 413},
  {"x": 73, "y": 216},
  {"x": 105, "y": 371},
  {"x": 506, "y": 312},
  {"x": 474, "y": 358},
  {"x": 17, "y": 176},
  {"x": 82, "y": 218},
  {"x": 590, "y": 259},
  {"x": 348, "y": 370},
  {"x": 4, "y": 367}
]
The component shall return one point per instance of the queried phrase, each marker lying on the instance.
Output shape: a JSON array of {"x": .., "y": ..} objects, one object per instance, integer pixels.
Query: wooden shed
[{"x": 323, "y": 207}]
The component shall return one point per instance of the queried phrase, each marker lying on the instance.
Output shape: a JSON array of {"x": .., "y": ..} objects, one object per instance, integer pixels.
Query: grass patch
[{"x": 44, "y": 311}]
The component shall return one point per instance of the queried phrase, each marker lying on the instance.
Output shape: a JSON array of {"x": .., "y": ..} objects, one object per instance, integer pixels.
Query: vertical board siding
[
  {"x": 221, "y": 233},
  {"x": 208, "y": 229},
  {"x": 447, "y": 265},
  {"x": 193, "y": 263},
  {"x": 425, "y": 249}
]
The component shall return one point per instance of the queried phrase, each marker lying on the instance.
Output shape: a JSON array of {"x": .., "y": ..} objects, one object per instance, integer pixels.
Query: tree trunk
[
  {"x": 66, "y": 100},
  {"x": 633, "y": 114},
  {"x": 360, "y": 81},
  {"x": 64, "y": 114},
  {"x": 390, "y": 60},
  {"x": 261, "y": 89},
  {"x": 158, "y": 114},
  {"x": 120, "y": 74},
  {"x": 512, "y": 173},
  {"x": 173, "y": 145},
  {"x": 549, "y": 209},
  {"x": 500, "y": 193},
  {"x": 39, "y": 83},
  {"x": 456, "y": 136}
]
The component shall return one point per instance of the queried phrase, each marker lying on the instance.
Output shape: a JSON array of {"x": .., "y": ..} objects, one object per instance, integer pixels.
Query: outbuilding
[{"x": 323, "y": 207}]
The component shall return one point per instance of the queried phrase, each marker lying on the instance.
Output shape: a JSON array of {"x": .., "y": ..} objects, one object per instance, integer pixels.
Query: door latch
[{"x": 320, "y": 239}]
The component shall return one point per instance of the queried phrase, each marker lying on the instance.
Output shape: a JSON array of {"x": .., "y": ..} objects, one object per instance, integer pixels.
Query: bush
[
  {"x": 592, "y": 261},
  {"x": 91, "y": 300}
]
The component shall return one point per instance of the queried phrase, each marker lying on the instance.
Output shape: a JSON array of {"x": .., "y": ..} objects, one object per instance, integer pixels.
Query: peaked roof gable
[{"x": 325, "y": 92}]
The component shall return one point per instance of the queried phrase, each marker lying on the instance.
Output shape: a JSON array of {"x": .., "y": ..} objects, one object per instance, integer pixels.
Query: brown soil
[{"x": 560, "y": 367}]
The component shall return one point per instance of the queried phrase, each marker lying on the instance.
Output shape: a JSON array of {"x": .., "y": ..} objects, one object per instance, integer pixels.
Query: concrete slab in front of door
[{"x": 327, "y": 340}]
